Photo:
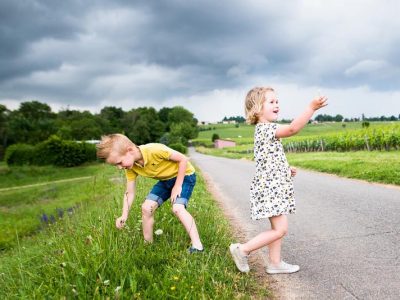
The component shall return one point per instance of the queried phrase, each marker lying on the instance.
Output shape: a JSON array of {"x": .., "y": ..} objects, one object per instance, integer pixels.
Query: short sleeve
[
  {"x": 266, "y": 131},
  {"x": 130, "y": 175}
]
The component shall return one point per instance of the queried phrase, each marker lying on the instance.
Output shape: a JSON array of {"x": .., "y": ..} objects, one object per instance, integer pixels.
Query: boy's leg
[
  {"x": 188, "y": 222},
  {"x": 148, "y": 209}
]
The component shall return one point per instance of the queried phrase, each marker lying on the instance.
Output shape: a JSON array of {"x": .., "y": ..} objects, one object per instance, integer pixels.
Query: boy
[{"x": 173, "y": 170}]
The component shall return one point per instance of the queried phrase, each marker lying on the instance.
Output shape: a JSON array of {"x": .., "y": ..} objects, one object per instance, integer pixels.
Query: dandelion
[
  {"x": 173, "y": 288},
  {"x": 106, "y": 282},
  {"x": 158, "y": 232},
  {"x": 176, "y": 278}
]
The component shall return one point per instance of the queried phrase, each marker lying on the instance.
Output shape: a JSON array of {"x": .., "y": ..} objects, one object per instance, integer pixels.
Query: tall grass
[{"x": 85, "y": 256}]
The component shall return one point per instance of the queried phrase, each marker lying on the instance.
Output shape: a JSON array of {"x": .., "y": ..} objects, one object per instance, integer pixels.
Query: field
[
  {"x": 82, "y": 255},
  {"x": 328, "y": 147}
]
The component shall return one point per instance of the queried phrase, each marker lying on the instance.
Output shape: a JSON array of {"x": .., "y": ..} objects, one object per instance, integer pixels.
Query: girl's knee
[{"x": 281, "y": 232}]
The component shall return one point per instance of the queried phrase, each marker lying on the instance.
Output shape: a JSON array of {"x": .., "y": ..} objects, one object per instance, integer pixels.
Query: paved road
[{"x": 345, "y": 235}]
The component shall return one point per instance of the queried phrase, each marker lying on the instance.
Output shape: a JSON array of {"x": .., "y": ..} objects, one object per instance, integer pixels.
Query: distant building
[{"x": 219, "y": 143}]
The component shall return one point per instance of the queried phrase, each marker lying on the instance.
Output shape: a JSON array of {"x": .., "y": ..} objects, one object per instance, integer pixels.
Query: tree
[
  {"x": 33, "y": 122},
  {"x": 114, "y": 117},
  {"x": 4, "y": 119},
  {"x": 142, "y": 125}
]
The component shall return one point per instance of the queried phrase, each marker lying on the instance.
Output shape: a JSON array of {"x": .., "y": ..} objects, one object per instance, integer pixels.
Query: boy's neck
[{"x": 139, "y": 157}]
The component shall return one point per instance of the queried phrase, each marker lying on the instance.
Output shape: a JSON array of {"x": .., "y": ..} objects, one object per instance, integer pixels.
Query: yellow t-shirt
[{"x": 156, "y": 164}]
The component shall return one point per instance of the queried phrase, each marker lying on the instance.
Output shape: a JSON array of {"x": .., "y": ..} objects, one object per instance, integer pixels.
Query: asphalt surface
[{"x": 345, "y": 235}]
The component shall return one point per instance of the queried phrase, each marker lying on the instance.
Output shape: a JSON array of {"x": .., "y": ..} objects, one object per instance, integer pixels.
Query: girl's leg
[
  {"x": 275, "y": 251},
  {"x": 279, "y": 226},
  {"x": 188, "y": 222},
  {"x": 148, "y": 209}
]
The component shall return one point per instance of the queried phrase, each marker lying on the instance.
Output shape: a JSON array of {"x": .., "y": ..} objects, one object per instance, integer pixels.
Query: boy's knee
[
  {"x": 177, "y": 208},
  {"x": 148, "y": 208}
]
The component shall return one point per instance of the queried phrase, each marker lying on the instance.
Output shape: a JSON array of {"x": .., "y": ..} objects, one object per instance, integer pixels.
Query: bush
[
  {"x": 178, "y": 147},
  {"x": 19, "y": 154},
  {"x": 214, "y": 137},
  {"x": 53, "y": 151}
]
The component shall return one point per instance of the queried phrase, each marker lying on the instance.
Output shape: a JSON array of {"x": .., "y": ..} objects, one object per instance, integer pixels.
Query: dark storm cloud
[{"x": 106, "y": 51}]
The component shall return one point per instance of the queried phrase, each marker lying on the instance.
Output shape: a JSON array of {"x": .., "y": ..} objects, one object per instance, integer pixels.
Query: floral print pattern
[{"x": 271, "y": 190}]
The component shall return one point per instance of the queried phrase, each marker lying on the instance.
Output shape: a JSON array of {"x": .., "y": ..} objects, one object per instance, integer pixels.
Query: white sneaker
[
  {"x": 282, "y": 268},
  {"x": 239, "y": 259}
]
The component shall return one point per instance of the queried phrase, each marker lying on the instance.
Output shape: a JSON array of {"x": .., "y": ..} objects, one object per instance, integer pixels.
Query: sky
[{"x": 203, "y": 55}]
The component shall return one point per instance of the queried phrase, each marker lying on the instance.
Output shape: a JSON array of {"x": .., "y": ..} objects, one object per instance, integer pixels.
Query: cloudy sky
[{"x": 204, "y": 55}]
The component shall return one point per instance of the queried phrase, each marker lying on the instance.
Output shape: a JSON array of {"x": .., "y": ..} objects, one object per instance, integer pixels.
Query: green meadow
[
  {"x": 378, "y": 165},
  {"x": 80, "y": 254}
]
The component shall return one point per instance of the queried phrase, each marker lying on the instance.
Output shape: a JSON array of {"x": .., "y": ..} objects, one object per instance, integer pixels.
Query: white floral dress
[{"x": 271, "y": 190}]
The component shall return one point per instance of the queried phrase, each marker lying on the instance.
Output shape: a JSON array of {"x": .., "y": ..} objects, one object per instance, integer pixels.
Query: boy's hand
[
  {"x": 120, "y": 222},
  {"x": 318, "y": 103},
  {"x": 293, "y": 171},
  {"x": 175, "y": 193}
]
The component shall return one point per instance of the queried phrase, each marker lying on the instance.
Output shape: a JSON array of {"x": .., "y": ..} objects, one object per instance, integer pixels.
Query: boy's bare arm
[
  {"x": 182, "y": 160},
  {"x": 127, "y": 204},
  {"x": 301, "y": 121}
]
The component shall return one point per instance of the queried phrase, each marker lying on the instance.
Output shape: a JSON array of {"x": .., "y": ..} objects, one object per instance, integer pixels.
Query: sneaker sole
[
  {"x": 231, "y": 249},
  {"x": 271, "y": 272}
]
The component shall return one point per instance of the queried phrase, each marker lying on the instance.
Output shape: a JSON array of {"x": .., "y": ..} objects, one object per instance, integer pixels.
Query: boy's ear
[{"x": 130, "y": 149}]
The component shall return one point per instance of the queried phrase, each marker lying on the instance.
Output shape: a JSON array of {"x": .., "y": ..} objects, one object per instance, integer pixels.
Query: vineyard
[
  {"x": 384, "y": 137},
  {"x": 377, "y": 138}
]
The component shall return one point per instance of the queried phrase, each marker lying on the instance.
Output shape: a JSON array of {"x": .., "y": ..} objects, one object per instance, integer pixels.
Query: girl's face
[{"x": 270, "y": 108}]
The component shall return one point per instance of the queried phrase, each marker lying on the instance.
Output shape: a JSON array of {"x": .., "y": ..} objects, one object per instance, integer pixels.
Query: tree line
[
  {"x": 326, "y": 118},
  {"x": 34, "y": 122}
]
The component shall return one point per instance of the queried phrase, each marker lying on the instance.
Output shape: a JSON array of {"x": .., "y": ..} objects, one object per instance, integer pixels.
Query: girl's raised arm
[{"x": 301, "y": 121}]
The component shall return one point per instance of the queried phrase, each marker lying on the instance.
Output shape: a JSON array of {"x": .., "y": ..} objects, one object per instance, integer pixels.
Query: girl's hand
[
  {"x": 120, "y": 222},
  {"x": 293, "y": 171},
  {"x": 318, "y": 103},
  {"x": 175, "y": 193}
]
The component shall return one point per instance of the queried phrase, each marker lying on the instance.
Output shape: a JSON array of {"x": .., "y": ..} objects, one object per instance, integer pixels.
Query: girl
[{"x": 271, "y": 191}]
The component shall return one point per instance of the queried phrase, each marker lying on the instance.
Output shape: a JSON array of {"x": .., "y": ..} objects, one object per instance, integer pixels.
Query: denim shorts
[{"x": 161, "y": 191}]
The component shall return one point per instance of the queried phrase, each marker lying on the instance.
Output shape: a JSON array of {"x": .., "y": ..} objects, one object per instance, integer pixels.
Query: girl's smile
[{"x": 270, "y": 108}]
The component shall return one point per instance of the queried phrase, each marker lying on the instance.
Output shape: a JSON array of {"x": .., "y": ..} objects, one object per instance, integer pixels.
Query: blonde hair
[
  {"x": 254, "y": 102},
  {"x": 113, "y": 143}
]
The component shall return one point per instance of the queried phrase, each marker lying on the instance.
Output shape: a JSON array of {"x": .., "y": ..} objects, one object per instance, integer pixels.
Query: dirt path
[{"x": 44, "y": 183}]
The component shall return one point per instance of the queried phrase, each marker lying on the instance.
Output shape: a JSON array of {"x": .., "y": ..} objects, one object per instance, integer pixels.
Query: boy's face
[{"x": 125, "y": 161}]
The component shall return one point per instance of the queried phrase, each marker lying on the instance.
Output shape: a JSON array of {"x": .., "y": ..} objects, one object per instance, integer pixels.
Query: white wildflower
[{"x": 158, "y": 232}]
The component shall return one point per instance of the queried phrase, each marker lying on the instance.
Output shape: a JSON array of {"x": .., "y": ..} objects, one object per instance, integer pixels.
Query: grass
[
  {"x": 373, "y": 166},
  {"x": 24, "y": 175},
  {"x": 21, "y": 210},
  {"x": 84, "y": 256},
  {"x": 247, "y": 131}
]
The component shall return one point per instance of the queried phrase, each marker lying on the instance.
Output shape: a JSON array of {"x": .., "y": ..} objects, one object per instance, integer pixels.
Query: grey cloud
[{"x": 153, "y": 50}]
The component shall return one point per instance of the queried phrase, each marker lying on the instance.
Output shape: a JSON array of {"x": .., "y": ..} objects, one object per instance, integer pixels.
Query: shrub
[
  {"x": 19, "y": 154},
  {"x": 53, "y": 151},
  {"x": 214, "y": 137},
  {"x": 178, "y": 147}
]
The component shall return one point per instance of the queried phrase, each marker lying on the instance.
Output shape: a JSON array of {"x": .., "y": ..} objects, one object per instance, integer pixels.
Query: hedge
[{"x": 53, "y": 151}]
